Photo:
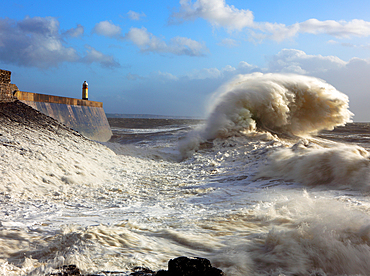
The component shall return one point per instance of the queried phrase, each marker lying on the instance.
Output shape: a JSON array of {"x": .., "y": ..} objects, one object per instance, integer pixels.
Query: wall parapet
[{"x": 36, "y": 97}]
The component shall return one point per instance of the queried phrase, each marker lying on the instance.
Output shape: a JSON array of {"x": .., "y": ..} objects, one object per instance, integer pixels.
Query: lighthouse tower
[{"x": 85, "y": 91}]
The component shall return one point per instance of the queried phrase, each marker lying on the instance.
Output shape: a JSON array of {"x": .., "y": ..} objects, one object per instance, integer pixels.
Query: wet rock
[
  {"x": 142, "y": 271},
  {"x": 183, "y": 266},
  {"x": 68, "y": 270}
]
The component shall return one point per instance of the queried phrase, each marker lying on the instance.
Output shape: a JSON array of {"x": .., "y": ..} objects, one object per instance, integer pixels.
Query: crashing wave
[{"x": 283, "y": 104}]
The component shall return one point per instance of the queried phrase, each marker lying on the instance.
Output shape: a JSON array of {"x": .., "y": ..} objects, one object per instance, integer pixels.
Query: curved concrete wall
[{"x": 86, "y": 117}]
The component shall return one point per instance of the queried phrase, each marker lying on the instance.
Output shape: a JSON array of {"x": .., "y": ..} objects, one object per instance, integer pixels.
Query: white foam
[
  {"x": 312, "y": 234},
  {"x": 67, "y": 200},
  {"x": 339, "y": 165}
]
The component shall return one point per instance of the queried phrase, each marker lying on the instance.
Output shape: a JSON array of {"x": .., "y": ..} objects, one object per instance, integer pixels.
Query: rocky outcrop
[
  {"x": 184, "y": 266},
  {"x": 181, "y": 266}
]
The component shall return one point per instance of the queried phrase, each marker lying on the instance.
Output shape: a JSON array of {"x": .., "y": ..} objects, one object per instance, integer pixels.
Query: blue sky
[{"x": 168, "y": 57}]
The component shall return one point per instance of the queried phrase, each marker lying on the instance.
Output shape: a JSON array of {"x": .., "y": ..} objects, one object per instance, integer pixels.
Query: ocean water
[{"x": 275, "y": 181}]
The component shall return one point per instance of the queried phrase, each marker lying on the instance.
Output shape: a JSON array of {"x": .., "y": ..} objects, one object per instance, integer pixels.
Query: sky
[{"x": 169, "y": 57}]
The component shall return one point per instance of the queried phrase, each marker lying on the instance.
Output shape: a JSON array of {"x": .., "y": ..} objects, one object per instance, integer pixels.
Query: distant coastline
[{"x": 150, "y": 116}]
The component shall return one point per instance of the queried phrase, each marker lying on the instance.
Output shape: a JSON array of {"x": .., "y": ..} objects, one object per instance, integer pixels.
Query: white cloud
[
  {"x": 245, "y": 65},
  {"x": 93, "y": 55},
  {"x": 75, "y": 32},
  {"x": 34, "y": 42},
  {"x": 147, "y": 42},
  {"x": 144, "y": 40},
  {"x": 37, "y": 42},
  {"x": 212, "y": 73},
  {"x": 107, "y": 28},
  {"x": 219, "y": 14},
  {"x": 296, "y": 61},
  {"x": 228, "y": 68},
  {"x": 131, "y": 76},
  {"x": 350, "y": 45},
  {"x": 228, "y": 42},
  {"x": 205, "y": 73},
  {"x": 135, "y": 16},
  {"x": 165, "y": 76},
  {"x": 275, "y": 31},
  {"x": 340, "y": 29},
  {"x": 186, "y": 46},
  {"x": 331, "y": 41}
]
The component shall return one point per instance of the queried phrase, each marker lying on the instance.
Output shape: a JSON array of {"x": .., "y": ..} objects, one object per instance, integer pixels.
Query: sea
[{"x": 273, "y": 181}]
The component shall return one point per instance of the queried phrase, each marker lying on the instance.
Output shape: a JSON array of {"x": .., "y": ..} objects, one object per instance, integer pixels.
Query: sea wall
[{"x": 86, "y": 117}]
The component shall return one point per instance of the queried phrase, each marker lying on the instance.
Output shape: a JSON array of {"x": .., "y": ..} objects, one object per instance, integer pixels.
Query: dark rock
[
  {"x": 183, "y": 266},
  {"x": 142, "y": 271},
  {"x": 163, "y": 273},
  {"x": 68, "y": 270}
]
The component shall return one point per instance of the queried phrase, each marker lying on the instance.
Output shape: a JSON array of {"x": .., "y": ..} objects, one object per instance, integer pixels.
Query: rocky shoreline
[{"x": 181, "y": 266}]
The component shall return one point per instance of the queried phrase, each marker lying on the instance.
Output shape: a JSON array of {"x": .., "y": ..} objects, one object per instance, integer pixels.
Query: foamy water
[{"x": 245, "y": 190}]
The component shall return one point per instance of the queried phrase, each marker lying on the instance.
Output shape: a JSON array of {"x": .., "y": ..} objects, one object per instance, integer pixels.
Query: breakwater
[{"x": 86, "y": 117}]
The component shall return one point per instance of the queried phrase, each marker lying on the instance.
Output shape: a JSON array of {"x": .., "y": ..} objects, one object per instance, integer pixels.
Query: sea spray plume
[
  {"x": 290, "y": 104},
  {"x": 284, "y": 104}
]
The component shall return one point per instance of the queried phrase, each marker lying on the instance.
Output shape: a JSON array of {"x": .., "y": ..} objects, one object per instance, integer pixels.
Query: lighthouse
[{"x": 85, "y": 91}]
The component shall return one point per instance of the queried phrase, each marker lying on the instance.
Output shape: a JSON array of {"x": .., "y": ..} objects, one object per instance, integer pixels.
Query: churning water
[{"x": 256, "y": 188}]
